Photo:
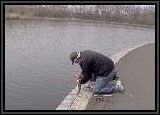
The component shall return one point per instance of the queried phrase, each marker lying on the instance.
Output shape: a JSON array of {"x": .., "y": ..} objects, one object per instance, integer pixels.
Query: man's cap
[{"x": 73, "y": 56}]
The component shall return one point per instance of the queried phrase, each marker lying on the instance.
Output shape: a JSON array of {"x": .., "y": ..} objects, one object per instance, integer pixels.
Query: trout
[{"x": 79, "y": 88}]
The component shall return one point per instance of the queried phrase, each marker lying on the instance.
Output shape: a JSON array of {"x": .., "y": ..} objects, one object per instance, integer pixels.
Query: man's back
[{"x": 96, "y": 63}]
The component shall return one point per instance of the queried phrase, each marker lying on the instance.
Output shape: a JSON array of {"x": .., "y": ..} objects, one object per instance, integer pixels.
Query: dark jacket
[{"x": 94, "y": 63}]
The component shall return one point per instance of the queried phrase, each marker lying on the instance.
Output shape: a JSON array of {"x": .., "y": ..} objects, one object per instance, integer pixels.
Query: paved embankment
[{"x": 136, "y": 69}]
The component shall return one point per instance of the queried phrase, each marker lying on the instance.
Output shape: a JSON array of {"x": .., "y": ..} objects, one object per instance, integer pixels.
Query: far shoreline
[{"x": 18, "y": 17}]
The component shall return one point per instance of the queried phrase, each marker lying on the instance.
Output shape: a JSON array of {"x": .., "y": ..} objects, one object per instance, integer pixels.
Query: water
[{"x": 38, "y": 72}]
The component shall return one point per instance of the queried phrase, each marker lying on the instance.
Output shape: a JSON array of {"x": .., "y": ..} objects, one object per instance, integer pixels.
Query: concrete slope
[{"x": 136, "y": 69}]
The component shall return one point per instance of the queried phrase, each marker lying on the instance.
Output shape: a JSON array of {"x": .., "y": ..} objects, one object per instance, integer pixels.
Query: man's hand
[
  {"x": 79, "y": 76},
  {"x": 78, "y": 81}
]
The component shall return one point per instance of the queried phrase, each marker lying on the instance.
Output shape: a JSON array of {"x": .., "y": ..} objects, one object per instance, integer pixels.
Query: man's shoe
[{"x": 120, "y": 86}]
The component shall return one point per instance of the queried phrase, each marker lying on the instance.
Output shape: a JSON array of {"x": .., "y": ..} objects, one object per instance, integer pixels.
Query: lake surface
[{"x": 38, "y": 72}]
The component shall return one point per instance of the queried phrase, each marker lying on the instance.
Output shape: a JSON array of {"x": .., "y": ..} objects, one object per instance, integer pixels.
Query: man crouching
[{"x": 99, "y": 70}]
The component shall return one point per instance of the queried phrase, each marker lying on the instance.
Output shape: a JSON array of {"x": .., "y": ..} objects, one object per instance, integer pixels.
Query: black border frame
[{"x": 72, "y": 2}]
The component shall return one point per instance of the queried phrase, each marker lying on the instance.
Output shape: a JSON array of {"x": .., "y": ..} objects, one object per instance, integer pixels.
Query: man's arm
[
  {"x": 86, "y": 74},
  {"x": 84, "y": 80}
]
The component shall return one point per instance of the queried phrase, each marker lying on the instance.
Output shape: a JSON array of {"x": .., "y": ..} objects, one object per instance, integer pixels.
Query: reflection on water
[{"x": 38, "y": 72}]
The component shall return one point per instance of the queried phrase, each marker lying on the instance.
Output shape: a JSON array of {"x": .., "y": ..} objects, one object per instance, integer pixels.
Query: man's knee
[{"x": 96, "y": 92}]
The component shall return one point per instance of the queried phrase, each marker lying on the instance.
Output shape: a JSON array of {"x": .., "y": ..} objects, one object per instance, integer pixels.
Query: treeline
[{"x": 133, "y": 14}]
